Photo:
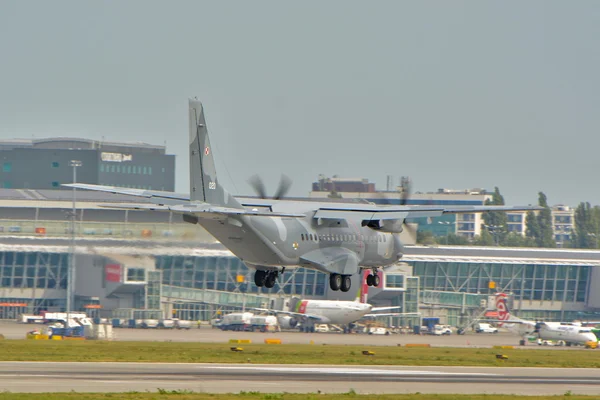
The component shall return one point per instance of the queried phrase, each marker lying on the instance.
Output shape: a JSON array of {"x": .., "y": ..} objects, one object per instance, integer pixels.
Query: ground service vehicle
[
  {"x": 236, "y": 322},
  {"x": 485, "y": 328}
]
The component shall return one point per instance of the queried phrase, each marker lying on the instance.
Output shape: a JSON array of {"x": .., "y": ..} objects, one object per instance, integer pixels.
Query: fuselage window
[{"x": 302, "y": 236}]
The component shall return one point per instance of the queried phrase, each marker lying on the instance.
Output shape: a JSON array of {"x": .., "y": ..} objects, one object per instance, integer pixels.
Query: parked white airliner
[
  {"x": 335, "y": 312},
  {"x": 570, "y": 333}
]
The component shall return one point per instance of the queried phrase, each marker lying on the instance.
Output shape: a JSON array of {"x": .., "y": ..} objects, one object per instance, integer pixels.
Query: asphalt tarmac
[
  {"x": 229, "y": 378},
  {"x": 12, "y": 330}
]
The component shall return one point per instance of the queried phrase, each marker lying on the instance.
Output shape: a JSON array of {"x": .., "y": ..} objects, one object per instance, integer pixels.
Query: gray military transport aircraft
[{"x": 270, "y": 235}]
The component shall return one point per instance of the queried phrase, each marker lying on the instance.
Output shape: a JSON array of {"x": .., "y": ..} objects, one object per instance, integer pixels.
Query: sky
[{"x": 460, "y": 94}]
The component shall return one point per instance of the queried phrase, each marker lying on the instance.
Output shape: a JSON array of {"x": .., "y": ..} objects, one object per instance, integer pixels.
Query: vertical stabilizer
[
  {"x": 502, "y": 308},
  {"x": 363, "y": 289},
  {"x": 204, "y": 185}
]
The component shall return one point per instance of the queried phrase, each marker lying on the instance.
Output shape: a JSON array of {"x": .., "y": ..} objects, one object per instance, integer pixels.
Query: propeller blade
[
  {"x": 284, "y": 186},
  {"x": 259, "y": 187}
]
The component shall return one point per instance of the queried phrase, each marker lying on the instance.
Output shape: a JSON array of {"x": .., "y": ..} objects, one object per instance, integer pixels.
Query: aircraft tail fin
[
  {"x": 363, "y": 288},
  {"x": 502, "y": 308},
  {"x": 204, "y": 185},
  {"x": 358, "y": 298}
]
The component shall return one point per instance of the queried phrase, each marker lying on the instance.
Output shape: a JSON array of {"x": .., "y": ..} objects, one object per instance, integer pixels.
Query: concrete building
[
  {"x": 563, "y": 222},
  {"x": 45, "y": 164},
  {"x": 466, "y": 225},
  {"x": 136, "y": 265}
]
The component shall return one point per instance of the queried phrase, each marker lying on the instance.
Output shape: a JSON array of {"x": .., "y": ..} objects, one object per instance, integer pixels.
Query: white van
[
  {"x": 321, "y": 328},
  {"x": 485, "y": 328},
  {"x": 442, "y": 330}
]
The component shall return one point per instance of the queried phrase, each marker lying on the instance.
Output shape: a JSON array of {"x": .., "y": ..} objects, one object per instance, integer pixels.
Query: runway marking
[{"x": 352, "y": 371}]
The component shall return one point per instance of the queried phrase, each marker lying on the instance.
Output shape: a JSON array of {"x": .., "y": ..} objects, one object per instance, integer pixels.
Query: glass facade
[
  {"x": 136, "y": 275},
  {"x": 33, "y": 270},
  {"x": 565, "y": 283},
  {"x": 219, "y": 273},
  {"x": 394, "y": 281}
]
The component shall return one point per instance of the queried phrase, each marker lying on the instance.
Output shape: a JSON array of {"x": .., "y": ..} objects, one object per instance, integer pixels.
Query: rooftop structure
[{"x": 47, "y": 164}]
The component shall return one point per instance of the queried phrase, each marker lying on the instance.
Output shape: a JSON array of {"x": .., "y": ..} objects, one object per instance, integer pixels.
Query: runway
[{"x": 232, "y": 378}]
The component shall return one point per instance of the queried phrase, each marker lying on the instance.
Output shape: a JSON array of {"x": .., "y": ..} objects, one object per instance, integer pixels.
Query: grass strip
[{"x": 181, "y": 352}]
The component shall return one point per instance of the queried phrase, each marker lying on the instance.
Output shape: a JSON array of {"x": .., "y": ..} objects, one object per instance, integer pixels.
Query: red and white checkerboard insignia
[{"x": 206, "y": 151}]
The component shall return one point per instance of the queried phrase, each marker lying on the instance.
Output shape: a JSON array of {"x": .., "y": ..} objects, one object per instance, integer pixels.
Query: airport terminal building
[{"x": 134, "y": 265}]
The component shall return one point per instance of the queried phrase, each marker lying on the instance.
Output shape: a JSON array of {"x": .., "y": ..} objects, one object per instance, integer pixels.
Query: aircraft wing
[
  {"x": 153, "y": 195},
  {"x": 172, "y": 202},
  {"x": 385, "y": 308},
  {"x": 389, "y": 314},
  {"x": 290, "y": 313},
  {"x": 374, "y": 212},
  {"x": 508, "y": 321},
  {"x": 201, "y": 210}
]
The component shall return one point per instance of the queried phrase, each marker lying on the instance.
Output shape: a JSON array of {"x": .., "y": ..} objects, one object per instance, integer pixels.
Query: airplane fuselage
[
  {"x": 334, "y": 312},
  {"x": 568, "y": 333},
  {"x": 278, "y": 241}
]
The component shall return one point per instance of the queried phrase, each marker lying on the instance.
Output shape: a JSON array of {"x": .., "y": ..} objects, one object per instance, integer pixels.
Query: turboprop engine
[
  {"x": 388, "y": 225},
  {"x": 287, "y": 322}
]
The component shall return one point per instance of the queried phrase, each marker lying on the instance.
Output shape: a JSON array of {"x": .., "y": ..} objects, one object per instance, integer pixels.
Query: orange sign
[
  {"x": 92, "y": 306},
  {"x": 13, "y": 304}
]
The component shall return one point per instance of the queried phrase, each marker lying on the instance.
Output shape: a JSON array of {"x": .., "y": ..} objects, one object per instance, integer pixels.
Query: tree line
[{"x": 539, "y": 230}]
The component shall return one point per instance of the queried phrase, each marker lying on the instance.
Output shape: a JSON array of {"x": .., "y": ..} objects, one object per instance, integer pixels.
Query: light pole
[
  {"x": 493, "y": 230},
  {"x": 71, "y": 267}
]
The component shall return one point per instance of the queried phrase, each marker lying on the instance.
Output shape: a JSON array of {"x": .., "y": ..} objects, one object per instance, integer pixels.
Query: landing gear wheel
[
  {"x": 259, "y": 277},
  {"x": 335, "y": 282},
  {"x": 270, "y": 279},
  {"x": 376, "y": 280},
  {"x": 346, "y": 283},
  {"x": 369, "y": 280}
]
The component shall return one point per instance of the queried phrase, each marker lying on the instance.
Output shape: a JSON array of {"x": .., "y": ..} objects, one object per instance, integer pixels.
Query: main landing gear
[
  {"x": 265, "y": 278},
  {"x": 340, "y": 282},
  {"x": 373, "y": 280}
]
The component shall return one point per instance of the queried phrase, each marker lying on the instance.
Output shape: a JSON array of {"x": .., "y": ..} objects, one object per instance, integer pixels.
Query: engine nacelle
[
  {"x": 287, "y": 322},
  {"x": 388, "y": 225}
]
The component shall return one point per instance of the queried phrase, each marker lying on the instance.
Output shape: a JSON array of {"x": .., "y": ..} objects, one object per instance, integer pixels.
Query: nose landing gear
[{"x": 373, "y": 280}]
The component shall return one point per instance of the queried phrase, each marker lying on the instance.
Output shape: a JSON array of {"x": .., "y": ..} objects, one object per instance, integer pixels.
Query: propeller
[
  {"x": 405, "y": 190},
  {"x": 285, "y": 183}
]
